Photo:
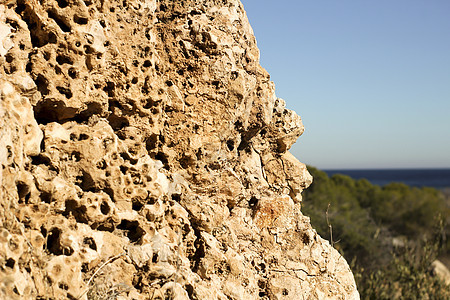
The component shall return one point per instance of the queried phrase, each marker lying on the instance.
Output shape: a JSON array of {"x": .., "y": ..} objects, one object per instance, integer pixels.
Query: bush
[{"x": 365, "y": 218}]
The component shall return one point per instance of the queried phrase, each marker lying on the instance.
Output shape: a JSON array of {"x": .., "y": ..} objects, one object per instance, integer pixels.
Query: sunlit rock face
[{"x": 144, "y": 154}]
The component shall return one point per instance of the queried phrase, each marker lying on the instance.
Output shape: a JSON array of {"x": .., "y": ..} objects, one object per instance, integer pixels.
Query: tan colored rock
[
  {"x": 144, "y": 152},
  {"x": 439, "y": 270}
]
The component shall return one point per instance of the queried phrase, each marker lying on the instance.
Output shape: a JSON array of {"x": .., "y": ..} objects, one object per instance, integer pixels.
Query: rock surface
[
  {"x": 145, "y": 155},
  {"x": 438, "y": 269}
]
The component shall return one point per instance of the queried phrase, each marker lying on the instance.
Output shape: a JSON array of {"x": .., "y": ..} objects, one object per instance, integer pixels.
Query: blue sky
[{"x": 370, "y": 79}]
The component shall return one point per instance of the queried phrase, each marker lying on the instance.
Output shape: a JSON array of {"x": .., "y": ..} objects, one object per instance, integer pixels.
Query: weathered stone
[
  {"x": 144, "y": 152},
  {"x": 439, "y": 270}
]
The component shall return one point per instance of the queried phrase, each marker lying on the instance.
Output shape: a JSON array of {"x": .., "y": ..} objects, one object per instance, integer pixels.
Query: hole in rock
[
  {"x": 186, "y": 161},
  {"x": 65, "y": 91},
  {"x": 80, "y": 20},
  {"x": 63, "y": 286},
  {"x": 52, "y": 38},
  {"x": 42, "y": 84},
  {"x": 50, "y": 110},
  {"x": 24, "y": 192},
  {"x": 132, "y": 230},
  {"x": 37, "y": 35},
  {"x": 43, "y": 231},
  {"x": 147, "y": 64},
  {"x": 108, "y": 190},
  {"x": 190, "y": 290},
  {"x": 176, "y": 197},
  {"x": 40, "y": 160},
  {"x": 72, "y": 73},
  {"x": 47, "y": 55},
  {"x": 243, "y": 145},
  {"x": 199, "y": 253},
  {"x": 78, "y": 212},
  {"x": 163, "y": 158},
  {"x": 262, "y": 267},
  {"x": 186, "y": 229},
  {"x": 230, "y": 145},
  {"x": 216, "y": 83},
  {"x": 59, "y": 20},
  {"x": 155, "y": 257},
  {"x": 108, "y": 225},
  {"x": 93, "y": 108},
  {"x": 90, "y": 242},
  {"x": 46, "y": 197},
  {"x": 149, "y": 103},
  {"x": 123, "y": 169},
  {"x": 20, "y": 7},
  {"x": 136, "y": 204},
  {"x": 88, "y": 49},
  {"x": 62, "y": 3},
  {"x": 10, "y": 69},
  {"x": 83, "y": 137},
  {"x": 58, "y": 70},
  {"x": 305, "y": 238},
  {"x": 85, "y": 267},
  {"x": 151, "y": 142},
  {"x": 9, "y": 58},
  {"x": 152, "y": 200},
  {"x": 109, "y": 89},
  {"x": 126, "y": 156},
  {"x": 104, "y": 208},
  {"x": 85, "y": 182},
  {"x": 13, "y": 23},
  {"x": 253, "y": 202},
  {"x": 64, "y": 59},
  {"x": 54, "y": 243},
  {"x": 10, "y": 263},
  {"x": 238, "y": 125},
  {"x": 76, "y": 156},
  {"x": 102, "y": 164},
  {"x": 261, "y": 284}
]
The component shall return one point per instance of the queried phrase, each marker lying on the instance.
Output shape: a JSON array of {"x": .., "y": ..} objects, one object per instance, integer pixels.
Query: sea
[{"x": 436, "y": 178}]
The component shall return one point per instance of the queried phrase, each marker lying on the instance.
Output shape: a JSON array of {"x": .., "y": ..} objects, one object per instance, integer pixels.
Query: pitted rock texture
[{"x": 145, "y": 156}]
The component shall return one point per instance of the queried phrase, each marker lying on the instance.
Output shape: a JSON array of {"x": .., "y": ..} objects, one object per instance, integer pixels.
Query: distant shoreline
[
  {"x": 382, "y": 169},
  {"x": 438, "y": 178}
]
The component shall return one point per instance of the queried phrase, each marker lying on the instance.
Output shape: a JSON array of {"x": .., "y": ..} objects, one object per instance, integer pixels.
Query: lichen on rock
[{"x": 145, "y": 154}]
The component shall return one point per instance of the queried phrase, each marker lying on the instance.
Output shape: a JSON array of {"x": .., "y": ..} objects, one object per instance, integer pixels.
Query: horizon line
[{"x": 379, "y": 168}]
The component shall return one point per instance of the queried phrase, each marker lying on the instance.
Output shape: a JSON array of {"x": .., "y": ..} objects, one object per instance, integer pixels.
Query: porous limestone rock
[{"x": 144, "y": 155}]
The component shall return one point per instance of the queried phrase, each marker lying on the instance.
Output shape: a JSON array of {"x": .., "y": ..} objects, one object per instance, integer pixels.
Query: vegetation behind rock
[{"x": 391, "y": 234}]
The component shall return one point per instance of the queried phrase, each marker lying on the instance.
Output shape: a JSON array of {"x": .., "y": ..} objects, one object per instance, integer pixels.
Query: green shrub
[{"x": 365, "y": 218}]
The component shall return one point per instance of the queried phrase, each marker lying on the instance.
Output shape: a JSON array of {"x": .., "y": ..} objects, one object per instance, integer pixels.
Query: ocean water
[{"x": 436, "y": 178}]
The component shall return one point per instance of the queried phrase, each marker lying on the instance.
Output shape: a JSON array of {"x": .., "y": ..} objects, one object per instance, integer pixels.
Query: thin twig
[
  {"x": 95, "y": 273},
  {"x": 329, "y": 226}
]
